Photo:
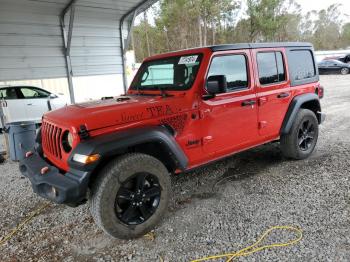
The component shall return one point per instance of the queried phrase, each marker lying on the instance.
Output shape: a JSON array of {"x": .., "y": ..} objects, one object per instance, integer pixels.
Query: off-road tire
[
  {"x": 290, "y": 143},
  {"x": 105, "y": 188},
  {"x": 344, "y": 71}
]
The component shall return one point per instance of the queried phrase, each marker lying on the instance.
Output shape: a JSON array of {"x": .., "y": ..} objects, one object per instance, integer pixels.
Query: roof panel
[{"x": 258, "y": 45}]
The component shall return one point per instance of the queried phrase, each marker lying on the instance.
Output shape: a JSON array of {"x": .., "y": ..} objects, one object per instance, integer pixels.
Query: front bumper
[
  {"x": 69, "y": 188},
  {"x": 321, "y": 117}
]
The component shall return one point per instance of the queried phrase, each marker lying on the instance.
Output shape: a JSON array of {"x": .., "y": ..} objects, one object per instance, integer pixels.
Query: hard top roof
[
  {"x": 228, "y": 47},
  {"x": 259, "y": 45}
]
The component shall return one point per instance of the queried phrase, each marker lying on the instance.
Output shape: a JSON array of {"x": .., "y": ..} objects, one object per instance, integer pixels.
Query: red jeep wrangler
[{"x": 183, "y": 110}]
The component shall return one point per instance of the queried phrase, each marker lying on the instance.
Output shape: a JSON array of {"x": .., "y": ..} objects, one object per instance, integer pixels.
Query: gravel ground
[{"x": 219, "y": 208}]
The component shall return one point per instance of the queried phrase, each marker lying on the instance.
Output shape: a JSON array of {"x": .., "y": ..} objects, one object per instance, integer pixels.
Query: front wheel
[
  {"x": 130, "y": 196},
  {"x": 302, "y": 138}
]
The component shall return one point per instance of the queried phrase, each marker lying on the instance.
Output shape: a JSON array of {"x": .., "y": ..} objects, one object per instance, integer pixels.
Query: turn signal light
[
  {"x": 92, "y": 159},
  {"x": 86, "y": 159}
]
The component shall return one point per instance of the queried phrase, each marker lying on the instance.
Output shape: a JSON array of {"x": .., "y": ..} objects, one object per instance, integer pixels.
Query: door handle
[
  {"x": 29, "y": 104},
  {"x": 283, "y": 95},
  {"x": 204, "y": 113},
  {"x": 249, "y": 103},
  {"x": 207, "y": 140}
]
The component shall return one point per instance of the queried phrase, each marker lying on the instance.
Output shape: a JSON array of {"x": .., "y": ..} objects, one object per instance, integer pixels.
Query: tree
[
  {"x": 327, "y": 28},
  {"x": 273, "y": 20},
  {"x": 182, "y": 24},
  {"x": 345, "y": 36}
]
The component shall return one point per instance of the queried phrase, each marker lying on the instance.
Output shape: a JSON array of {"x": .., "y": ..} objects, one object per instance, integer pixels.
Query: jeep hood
[{"x": 115, "y": 111}]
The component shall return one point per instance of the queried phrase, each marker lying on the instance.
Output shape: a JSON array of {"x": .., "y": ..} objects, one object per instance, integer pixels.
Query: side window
[
  {"x": 33, "y": 93},
  {"x": 2, "y": 93},
  {"x": 234, "y": 67},
  {"x": 271, "y": 68},
  {"x": 8, "y": 93},
  {"x": 302, "y": 64}
]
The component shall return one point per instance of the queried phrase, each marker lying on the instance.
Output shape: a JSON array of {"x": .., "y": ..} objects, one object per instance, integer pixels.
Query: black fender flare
[
  {"x": 112, "y": 144},
  {"x": 294, "y": 108}
]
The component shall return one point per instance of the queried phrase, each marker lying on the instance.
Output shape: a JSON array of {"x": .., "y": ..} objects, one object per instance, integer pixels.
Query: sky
[{"x": 309, "y": 5}]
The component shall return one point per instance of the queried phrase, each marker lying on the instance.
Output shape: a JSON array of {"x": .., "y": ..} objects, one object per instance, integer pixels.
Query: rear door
[
  {"x": 229, "y": 120},
  {"x": 13, "y": 107},
  {"x": 274, "y": 92}
]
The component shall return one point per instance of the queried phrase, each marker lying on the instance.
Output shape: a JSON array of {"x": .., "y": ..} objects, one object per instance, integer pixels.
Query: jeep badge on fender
[{"x": 182, "y": 110}]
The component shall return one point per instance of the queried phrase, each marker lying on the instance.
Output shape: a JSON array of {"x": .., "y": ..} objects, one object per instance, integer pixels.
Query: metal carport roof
[{"x": 64, "y": 38}]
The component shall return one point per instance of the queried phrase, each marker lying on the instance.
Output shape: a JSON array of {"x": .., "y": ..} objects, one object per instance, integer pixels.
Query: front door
[
  {"x": 274, "y": 93},
  {"x": 230, "y": 119}
]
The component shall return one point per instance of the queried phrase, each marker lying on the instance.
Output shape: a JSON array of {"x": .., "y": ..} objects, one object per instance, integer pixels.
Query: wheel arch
[
  {"x": 155, "y": 141},
  {"x": 306, "y": 101}
]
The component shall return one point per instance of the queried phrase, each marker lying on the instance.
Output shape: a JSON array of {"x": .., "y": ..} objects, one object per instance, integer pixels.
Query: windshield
[{"x": 173, "y": 73}]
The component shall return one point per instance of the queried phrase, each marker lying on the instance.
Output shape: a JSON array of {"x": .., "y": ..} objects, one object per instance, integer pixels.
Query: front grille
[{"x": 51, "y": 139}]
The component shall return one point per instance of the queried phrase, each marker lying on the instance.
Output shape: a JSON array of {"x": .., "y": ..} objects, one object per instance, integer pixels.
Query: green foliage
[
  {"x": 345, "y": 38},
  {"x": 182, "y": 24}
]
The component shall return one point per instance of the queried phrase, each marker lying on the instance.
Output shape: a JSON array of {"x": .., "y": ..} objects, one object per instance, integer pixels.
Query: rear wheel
[
  {"x": 344, "y": 71},
  {"x": 130, "y": 195},
  {"x": 302, "y": 138}
]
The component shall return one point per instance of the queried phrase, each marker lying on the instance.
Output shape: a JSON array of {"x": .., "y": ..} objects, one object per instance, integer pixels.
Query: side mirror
[
  {"x": 52, "y": 96},
  {"x": 216, "y": 84}
]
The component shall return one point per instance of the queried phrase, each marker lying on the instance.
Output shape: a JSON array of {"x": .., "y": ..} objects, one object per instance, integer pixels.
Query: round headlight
[{"x": 67, "y": 141}]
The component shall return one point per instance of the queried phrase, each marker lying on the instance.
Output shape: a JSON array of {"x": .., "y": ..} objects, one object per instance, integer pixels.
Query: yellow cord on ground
[
  {"x": 19, "y": 227},
  {"x": 254, "y": 248}
]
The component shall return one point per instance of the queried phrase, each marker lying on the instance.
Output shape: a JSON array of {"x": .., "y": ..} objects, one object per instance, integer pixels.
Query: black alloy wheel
[
  {"x": 306, "y": 135},
  {"x": 138, "y": 199},
  {"x": 301, "y": 140}
]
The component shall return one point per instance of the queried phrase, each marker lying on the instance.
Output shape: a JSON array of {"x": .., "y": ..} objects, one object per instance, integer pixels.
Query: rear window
[
  {"x": 8, "y": 93},
  {"x": 2, "y": 93},
  {"x": 302, "y": 66}
]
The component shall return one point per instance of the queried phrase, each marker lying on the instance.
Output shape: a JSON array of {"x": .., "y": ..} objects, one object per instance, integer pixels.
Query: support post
[
  {"x": 124, "y": 45},
  {"x": 67, "y": 40}
]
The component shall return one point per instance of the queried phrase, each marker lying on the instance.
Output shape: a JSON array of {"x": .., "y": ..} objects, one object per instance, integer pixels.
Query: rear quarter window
[{"x": 302, "y": 66}]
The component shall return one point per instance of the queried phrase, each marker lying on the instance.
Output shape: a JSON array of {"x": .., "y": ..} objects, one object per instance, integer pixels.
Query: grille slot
[{"x": 51, "y": 139}]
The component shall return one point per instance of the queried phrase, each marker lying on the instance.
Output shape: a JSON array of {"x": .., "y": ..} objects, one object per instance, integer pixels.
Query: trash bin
[{"x": 21, "y": 138}]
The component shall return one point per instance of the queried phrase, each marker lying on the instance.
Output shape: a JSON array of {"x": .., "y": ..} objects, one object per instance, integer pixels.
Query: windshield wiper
[{"x": 163, "y": 92}]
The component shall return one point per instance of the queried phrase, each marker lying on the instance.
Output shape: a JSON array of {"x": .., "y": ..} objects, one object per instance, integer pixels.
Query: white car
[{"x": 27, "y": 103}]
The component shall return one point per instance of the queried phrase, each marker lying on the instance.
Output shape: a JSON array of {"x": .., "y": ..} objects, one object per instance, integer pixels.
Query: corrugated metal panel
[
  {"x": 30, "y": 40},
  {"x": 31, "y": 45}
]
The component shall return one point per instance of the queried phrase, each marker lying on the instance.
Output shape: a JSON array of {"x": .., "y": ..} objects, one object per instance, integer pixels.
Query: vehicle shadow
[{"x": 208, "y": 181}]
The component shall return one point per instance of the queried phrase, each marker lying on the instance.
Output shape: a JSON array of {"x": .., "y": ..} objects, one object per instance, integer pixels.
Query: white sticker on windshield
[{"x": 185, "y": 60}]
